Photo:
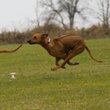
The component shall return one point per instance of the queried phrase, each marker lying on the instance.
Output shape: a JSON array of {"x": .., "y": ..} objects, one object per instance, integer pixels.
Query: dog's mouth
[{"x": 30, "y": 42}]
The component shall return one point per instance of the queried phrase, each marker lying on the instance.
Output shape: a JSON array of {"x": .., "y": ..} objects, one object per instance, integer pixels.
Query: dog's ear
[
  {"x": 56, "y": 41},
  {"x": 44, "y": 35}
]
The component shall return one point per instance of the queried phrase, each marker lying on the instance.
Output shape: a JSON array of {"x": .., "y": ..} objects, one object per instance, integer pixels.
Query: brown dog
[{"x": 65, "y": 47}]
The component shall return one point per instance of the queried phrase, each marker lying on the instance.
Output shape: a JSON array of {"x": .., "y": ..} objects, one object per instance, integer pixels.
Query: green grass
[{"x": 36, "y": 87}]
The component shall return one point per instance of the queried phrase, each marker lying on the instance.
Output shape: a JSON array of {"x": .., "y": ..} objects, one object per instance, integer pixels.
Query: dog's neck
[{"x": 46, "y": 43}]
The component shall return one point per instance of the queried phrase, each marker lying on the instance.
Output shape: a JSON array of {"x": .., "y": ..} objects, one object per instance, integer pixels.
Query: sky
[{"x": 15, "y": 14}]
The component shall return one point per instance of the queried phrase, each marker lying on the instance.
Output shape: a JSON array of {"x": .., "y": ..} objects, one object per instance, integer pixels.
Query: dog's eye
[{"x": 34, "y": 37}]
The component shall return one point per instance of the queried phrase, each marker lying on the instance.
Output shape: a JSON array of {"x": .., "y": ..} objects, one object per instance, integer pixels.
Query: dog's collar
[{"x": 49, "y": 40}]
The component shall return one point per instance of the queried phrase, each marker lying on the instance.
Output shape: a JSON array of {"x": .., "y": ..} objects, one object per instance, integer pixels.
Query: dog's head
[{"x": 38, "y": 38}]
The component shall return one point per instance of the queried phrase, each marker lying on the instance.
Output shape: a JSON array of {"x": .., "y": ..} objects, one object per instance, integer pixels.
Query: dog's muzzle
[{"x": 29, "y": 41}]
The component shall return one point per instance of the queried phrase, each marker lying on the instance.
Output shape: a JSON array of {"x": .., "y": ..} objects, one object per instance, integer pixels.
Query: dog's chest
[{"x": 57, "y": 51}]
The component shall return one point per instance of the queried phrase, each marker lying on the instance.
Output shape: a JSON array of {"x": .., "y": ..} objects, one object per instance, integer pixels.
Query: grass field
[{"x": 36, "y": 87}]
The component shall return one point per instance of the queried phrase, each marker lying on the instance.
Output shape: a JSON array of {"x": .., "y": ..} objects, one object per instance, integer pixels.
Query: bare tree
[
  {"x": 64, "y": 11},
  {"x": 104, "y": 12},
  {"x": 36, "y": 21},
  {"x": 37, "y": 13}
]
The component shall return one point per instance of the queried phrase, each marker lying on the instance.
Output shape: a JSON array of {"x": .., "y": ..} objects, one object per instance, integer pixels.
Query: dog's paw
[
  {"x": 63, "y": 67},
  {"x": 76, "y": 63},
  {"x": 54, "y": 68},
  {"x": 57, "y": 67},
  {"x": 73, "y": 64}
]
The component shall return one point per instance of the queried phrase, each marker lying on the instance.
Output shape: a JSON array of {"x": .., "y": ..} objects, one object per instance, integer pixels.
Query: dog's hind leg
[
  {"x": 72, "y": 64},
  {"x": 71, "y": 54}
]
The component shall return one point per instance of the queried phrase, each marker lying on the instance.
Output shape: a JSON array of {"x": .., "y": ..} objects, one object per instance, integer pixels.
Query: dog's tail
[
  {"x": 91, "y": 54},
  {"x": 10, "y": 51}
]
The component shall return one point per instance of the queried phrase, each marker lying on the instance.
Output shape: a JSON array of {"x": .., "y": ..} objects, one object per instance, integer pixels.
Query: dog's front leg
[
  {"x": 57, "y": 64},
  {"x": 57, "y": 60}
]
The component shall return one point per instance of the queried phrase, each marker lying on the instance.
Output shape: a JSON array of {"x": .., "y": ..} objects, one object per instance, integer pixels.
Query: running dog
[{"x": 65, "y": 47}]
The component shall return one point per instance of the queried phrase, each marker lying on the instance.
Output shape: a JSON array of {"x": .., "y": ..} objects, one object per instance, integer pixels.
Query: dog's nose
[{"x": 28, "y": 41}]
